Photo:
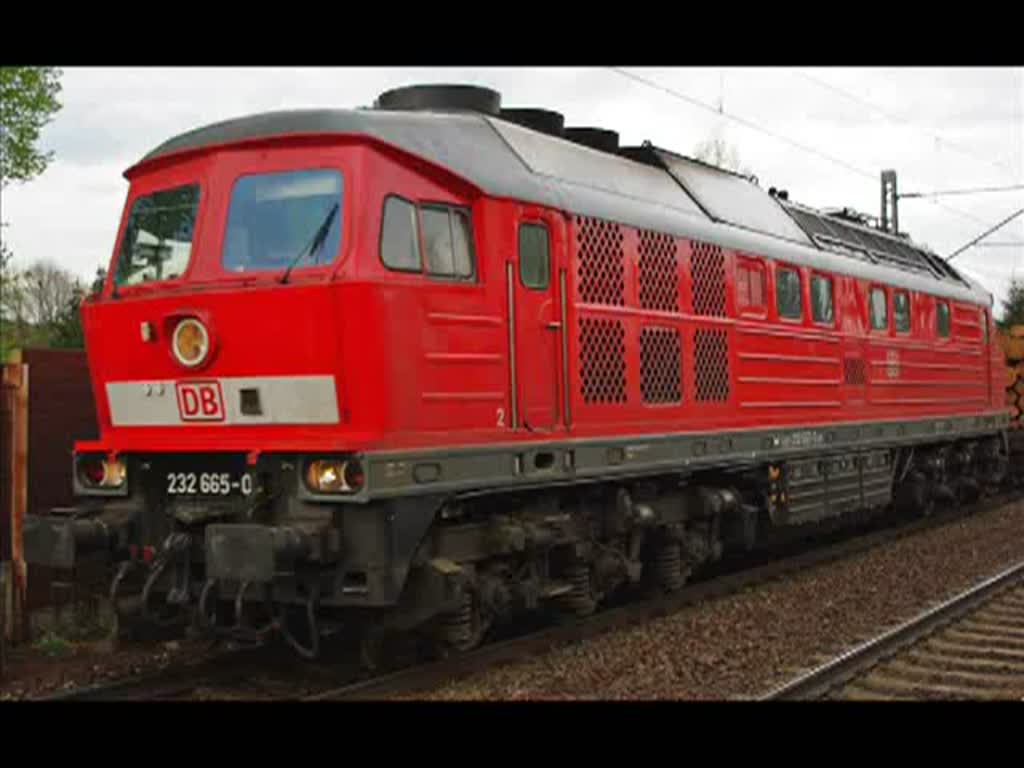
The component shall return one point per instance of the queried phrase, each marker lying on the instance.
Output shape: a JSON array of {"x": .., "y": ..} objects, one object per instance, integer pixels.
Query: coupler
[
  {"x": 249, "y": 558},
  {"x": 62, "y": 538}
]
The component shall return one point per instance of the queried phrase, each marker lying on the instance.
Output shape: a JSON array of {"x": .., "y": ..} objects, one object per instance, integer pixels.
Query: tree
[
  {"x": 718, "y": 152},
  {"x": 10, "y": 302},
  {"x": 1013, "y": 305},
  {"x": 46, "y": 290},
  {"x": 40, "y": 308},
  {"x": 66, "y": 331},
  {"x": 28, "y": 101}
]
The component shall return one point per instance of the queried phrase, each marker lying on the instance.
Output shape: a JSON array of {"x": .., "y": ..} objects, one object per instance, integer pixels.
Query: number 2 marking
[{"x": 501, "y": 417}]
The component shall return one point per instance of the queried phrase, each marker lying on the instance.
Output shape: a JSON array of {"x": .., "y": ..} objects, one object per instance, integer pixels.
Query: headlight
[
  {"x": 334, "y": 476},
  {"x": 98, "y": 472},
  {"x": 190, "y": 342}
]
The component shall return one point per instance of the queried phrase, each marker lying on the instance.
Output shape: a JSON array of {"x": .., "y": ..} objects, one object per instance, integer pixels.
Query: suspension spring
[
  {"x": 459, "y": 628},
  {"x": 581, "y": 601},
  {"x": 669, "y": 567}
]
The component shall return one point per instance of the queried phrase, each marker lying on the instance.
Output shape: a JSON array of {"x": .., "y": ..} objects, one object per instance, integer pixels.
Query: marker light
[
  {"x": 334, "y": 476},
  {"x": 98, "y": 472}
]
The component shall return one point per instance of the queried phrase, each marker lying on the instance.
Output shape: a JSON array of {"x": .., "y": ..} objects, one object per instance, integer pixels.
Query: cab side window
[
  {"x": 789, "y": 300},
  {"x": 448, "y": 242},
  {"x": 436, "y": 239},
  {"x": 879, "y": 309},
  {"x": 399, "y": 237}
]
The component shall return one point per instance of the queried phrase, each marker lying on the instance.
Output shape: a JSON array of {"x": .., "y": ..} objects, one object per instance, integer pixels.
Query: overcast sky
[{"x": 939, "y": 128}]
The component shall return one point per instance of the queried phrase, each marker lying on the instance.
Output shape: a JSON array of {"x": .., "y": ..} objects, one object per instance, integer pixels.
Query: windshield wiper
[{"x": 315, "y": 243}]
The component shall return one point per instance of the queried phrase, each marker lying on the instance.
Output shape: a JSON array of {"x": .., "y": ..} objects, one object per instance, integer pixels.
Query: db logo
[{"x": 200, "y": 401}]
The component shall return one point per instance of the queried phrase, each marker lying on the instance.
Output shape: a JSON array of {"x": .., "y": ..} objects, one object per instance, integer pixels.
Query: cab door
[{"x": 538, "y": 320}]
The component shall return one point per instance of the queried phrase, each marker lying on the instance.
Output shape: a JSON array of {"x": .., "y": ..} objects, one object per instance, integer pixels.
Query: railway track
[
  {"x": 224, "y": 670},
  {"x": 969, "y": 647},
  {"x": 429, "y": 676}
]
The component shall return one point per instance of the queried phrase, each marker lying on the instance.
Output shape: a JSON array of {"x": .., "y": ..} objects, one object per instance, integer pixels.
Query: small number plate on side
[{"x": 208, "y": 484}]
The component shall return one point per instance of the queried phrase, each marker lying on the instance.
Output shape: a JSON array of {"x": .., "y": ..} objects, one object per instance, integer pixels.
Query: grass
[
  {"x": 77, "y": 625},
  {"x": 53, "y": 644}
]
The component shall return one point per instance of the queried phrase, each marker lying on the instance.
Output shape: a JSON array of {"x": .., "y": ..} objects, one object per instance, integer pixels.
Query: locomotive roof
[{"x": 664, "y": 192}]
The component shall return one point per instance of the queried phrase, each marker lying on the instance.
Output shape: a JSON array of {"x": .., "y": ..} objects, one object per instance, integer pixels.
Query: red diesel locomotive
[{"x": 425, "y": 366}]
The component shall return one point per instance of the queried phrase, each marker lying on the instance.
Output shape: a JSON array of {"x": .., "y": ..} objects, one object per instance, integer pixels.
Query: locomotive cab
[{"x": 246, "y": 347}]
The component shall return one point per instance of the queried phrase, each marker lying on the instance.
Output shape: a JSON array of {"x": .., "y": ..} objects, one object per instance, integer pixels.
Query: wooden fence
[{"x": 46, "y": 405}]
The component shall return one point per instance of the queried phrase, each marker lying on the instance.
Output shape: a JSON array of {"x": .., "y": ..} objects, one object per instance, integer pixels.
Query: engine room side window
[
  {"x": 942, "y": 319},
  {"x": 157, "y": 242},
  {"x": 534, "y": 256},
  {"x": 399, "y": 236},
  {"x": 281, "y": 220},
  {"x": 750, "y": 286},
  {"x": 787, "y": 293},
  {"x": 822, "y": 309},
  {"x": 879, "y": 309},
  {"x": 901, "y": 311}
]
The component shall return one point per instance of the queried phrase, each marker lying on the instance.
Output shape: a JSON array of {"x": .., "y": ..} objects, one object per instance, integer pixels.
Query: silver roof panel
[
  {"x": 509, "y": 161},
  {"x": 732, "y": 199}
]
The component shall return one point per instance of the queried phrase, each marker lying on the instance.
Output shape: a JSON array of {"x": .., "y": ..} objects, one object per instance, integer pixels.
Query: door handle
[{"x": 554, "y": 325}]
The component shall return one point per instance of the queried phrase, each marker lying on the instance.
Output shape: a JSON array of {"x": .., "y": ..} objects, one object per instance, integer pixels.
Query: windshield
[
  {"x": 157, "y": 241},
  {"x": 274, "y": 219}
]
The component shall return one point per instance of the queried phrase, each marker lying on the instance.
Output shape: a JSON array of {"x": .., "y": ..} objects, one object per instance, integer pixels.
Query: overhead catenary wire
[
  {"x": 779, "y": 137},
  {"x": 974, "y": 191},
  {"x": 985, "y": 234},
  {"x": 896, "y": 118},
  {"x": 737, "y": 119}
]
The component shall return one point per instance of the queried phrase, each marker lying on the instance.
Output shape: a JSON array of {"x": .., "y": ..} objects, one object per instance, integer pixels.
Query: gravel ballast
[{"x": 744, "y": 644}]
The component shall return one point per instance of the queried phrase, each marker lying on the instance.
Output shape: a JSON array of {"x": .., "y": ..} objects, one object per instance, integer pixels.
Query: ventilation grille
[
  {"x": 840, "y": 235},
  {"x": 708, "y": 269},
  {"x": 659, "y": 277},
  {"x": 601, "y": 262},
  {"x": 661, "y": 378},
  {"x": 602, "y": 361},
  {"x": 853, "y": 371},
  {"x": 711, "y": 364}
]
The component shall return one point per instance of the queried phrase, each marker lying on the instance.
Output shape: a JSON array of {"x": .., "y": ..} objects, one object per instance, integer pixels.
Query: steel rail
[{"x": 852, "y": 664}]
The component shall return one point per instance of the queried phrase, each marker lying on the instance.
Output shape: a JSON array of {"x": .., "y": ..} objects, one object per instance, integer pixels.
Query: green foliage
[
  {"x": 10, "y": 287},
  {"x": 28, "y": 101},
  {"x": 1013, "y": 305},
  {"x": 66, "y": 330},
  {"x": 52, "y": 644}
]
